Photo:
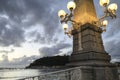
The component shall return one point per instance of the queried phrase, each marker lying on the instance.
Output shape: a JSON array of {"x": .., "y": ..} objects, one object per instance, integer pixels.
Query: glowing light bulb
[
  {"x": 71, "y": 5},
  {"x": 61, "y": 13},
  {"x": 113, "y": 7},
  {"x": 104, "y": 2},
  {"x": 65, "y": 26},
  {"x": 104, "y": 23}
]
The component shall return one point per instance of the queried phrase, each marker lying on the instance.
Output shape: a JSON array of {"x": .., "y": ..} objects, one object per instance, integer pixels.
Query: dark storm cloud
[
  {"x": 11, "y": 35},
  {"x": 14, "y": 35},
  {"x": 42, "y": 39},
  {"x": 53, "y": 50},
  {"x": 45, "y": 13},
  {"x": 27, "y": 13},
  {"x": 37, "y": 37}
]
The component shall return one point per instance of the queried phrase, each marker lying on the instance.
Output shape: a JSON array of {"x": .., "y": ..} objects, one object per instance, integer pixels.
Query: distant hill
[{"x": 49, "y": 62}]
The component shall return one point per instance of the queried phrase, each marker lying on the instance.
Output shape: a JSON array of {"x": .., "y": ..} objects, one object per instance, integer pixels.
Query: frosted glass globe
[
  {"x": 113, "y": 7},
  {"x": 104, "y": 2},
  {"x": 61, "y": 13},
  {"x": 71, "y": 5},
  {"x": 65, "y": 26}
]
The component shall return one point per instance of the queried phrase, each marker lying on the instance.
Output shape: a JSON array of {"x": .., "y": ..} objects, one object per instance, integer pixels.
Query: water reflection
[{"x": 18, "y": 73}]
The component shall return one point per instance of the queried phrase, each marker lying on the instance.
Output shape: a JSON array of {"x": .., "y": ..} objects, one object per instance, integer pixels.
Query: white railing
[{"x": 67, "y": 74}]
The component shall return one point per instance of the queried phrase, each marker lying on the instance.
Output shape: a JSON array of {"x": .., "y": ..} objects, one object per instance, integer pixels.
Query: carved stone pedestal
[{"x": 88, "y": 51}]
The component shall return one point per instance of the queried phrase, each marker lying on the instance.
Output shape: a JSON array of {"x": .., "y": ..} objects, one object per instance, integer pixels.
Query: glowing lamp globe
[
  {"x": 104, "y": 2},
  {"x": 104, "y": 23},
  {"x": 71, "y": 5},
  {"x": 61, "y": 14},
  {"x": 65, "y": 26},
  {"x": 113, "y": 7}
]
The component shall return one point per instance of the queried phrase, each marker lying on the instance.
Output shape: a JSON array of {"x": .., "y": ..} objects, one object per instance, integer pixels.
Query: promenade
[{"x": 67, "y": 74}]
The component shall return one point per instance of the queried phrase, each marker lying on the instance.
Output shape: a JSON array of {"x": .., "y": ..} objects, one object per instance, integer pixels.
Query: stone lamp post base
[{"x": 93, "y": 59}]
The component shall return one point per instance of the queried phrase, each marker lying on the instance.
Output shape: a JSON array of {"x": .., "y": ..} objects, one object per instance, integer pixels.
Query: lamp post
[
  {"x": 88, "y": 49},
  {"x": 109, "y": 11}
]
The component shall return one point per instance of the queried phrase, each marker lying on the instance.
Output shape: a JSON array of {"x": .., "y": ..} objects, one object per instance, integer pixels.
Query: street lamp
[
  {"x": 88, "y": 49},
  {"x": 109, "y": 11},
  {"x": 65, "y": 17}
]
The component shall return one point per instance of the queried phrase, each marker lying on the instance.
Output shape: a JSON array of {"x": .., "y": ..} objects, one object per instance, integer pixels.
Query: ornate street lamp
[
  {"x": 88, "y": 48},
  {"x": 109, "y": 11},
  {"x": 65, "y": 17}
]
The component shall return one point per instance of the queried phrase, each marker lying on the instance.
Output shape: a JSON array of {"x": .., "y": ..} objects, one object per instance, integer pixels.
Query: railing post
[{"x": 69, "y": 72}]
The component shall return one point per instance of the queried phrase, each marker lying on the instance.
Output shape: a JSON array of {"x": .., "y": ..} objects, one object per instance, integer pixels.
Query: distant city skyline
[{"x": 30, "y": 29}]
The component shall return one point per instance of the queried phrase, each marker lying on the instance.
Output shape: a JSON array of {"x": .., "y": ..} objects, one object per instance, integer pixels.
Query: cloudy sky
[{"x": 30, "y": 29}]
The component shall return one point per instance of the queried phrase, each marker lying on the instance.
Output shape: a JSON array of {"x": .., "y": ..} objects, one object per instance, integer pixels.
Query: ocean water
[{"x": 13, "y": 74}]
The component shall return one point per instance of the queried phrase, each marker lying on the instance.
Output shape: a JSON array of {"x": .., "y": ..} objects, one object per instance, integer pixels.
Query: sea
[{"x": 14, "y": 74}]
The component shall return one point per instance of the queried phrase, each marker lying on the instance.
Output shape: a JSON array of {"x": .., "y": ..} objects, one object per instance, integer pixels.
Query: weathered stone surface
[
  {"x": 92, "y": 46},
  {"x": 92, "y": 54}
]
